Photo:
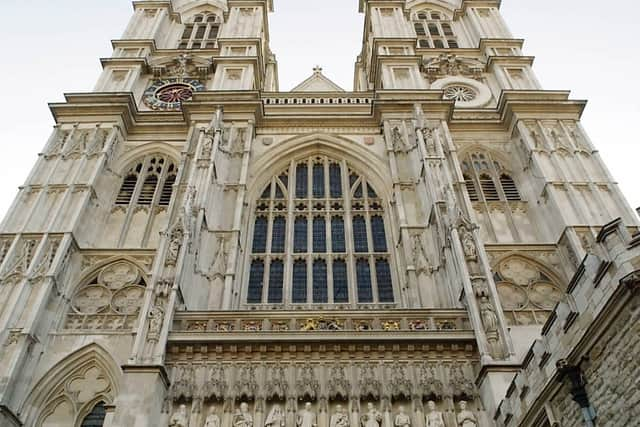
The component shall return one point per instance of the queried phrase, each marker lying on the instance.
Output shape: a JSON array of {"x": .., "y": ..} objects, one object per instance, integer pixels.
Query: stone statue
[
  {"x": 465, "y": 417},
  {"x": 402, "y": 419},
  {"x": 434, "y": 417},
  {"x": 372, "y": 417},
  {"x": 468, "y": 245},
  {"x": 212, "y": 420},
  {"x": 306, "y": 417},
  {"x": 340, "y": 418},
  {"x": 397, "y": 139},
  {"x": 489, "y": 318},
  {"x": 276, "y": 417},
  {"x": 180, "y": 418},
  {"x": 243, "y": 418}
]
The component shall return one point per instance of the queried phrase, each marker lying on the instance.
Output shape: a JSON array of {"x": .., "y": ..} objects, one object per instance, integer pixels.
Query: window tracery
[
  {"x": 487, "y": 180},
  {"x": 434, "y": 30},
  {"x": 149, "y": 182},
  {"x": 201, "y": 33},
  {"x": 319, "y": 238}
]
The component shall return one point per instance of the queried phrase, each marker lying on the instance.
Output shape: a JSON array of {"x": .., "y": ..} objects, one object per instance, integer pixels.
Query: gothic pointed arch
[
  {"x": 318, "y": 233},
  {"x": 528, "y": 289},
  {"x": 73, "y": 388},
  {"x": 108, "y": 298}
]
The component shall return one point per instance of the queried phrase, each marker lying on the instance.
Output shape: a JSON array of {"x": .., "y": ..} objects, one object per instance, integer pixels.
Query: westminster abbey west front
[{"x": 441, "y": 247}]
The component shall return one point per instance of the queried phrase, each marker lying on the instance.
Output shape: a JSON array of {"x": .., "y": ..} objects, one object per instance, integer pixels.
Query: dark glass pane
[
  {"x": 276, "y": 277},
  {"x": 256, "y": 277},
  {"x": 318, "y": 181},
  {"x": 447, "y": 30},
  {"x": 200, "y": 32},
  {"x": 266, "y": 194},
  {"x": 301, "y": 182},
  {"x": 319, "y": 235},
  {"x": 363, "y": 274},
  {"x": 320, "y": 294},
  {"x": 211, "y": 18},
  {"x": 424, "y": 43},
  {"x": 340, "y": 282},
  {"x": 278, "y": 235},
  {"x": 438, "y": 44},
  {"x": 383, "y": 275},
  {"x": 96, "y": 417},
  {"x": 371, "y": 192},
  {"x": 260, "y": 235},
  {"x": 433, "y": 30},
  {"x": 378, "y": 234},
  {"x": 335, "y": 180},
  {"x": 453, "y": 44},
  {"x": 300, "y": 235},
  {"x": 299, "y": 282},
  {"x": 284, "y": 178},
  {"x": 360, "y": 234},
  {"x": 352, "y": 179},
  {"x": 358, "y": 193},
  {"x": 337, "y": 234},
  {"x": 187, "y": 32},
  {"x": 279, "y": 193},
  {"x": 420, "y": 29}
]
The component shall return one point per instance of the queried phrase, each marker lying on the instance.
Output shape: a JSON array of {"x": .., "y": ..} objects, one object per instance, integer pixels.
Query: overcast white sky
[{"x": 52, "y": 47}]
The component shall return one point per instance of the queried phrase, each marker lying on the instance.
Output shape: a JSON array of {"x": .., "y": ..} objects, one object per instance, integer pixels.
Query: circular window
[
  {"x": 465, "y": 92},
  {"x": 459, "y": 93},
  {"x": 169, "y": 94},
  {"x": 175, "y": 93}
]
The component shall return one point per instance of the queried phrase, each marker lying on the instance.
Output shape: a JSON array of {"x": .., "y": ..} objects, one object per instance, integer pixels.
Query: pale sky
[{"x": 52, "y": 47}]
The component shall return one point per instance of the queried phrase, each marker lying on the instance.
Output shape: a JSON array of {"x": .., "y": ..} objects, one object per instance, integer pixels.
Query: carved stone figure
[
  {"x": 420, "y": 256},
  {"x": 489, "y": 318},
  {"x": 397, "y": 140},
  {"x": 402, "y": 419},
  {"x": 276, "y": 417},
  {"x": 428, "y": 135},
  {"x": 179, "y": 418},
  {"x": 212, "y": 420},
  {"x": 340, "y": 418},
  {"x": 465, "y": 417},
  {"x": 156, "y": 316},
  {"x": 468, "y": 244},
  {"x": 306, "y": 417},
  {"x": 371, "y": 418},
  {"x": 243, "y": 418},
  {"x": 175, "y": 243},
  {"x": 434, "y": 417}
]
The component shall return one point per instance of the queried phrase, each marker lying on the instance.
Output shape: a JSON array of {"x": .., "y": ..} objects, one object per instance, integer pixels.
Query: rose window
[
  {"x": 459, "y": 93},
  {"x": 175, "y": 93}
]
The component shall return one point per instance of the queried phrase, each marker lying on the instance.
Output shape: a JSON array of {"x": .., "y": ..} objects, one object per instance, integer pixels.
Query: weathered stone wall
[{"x": 612, "y": 374}]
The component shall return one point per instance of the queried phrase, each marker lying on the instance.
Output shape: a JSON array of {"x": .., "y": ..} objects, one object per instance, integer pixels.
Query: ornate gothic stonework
[{"x": 437, "y": 247}]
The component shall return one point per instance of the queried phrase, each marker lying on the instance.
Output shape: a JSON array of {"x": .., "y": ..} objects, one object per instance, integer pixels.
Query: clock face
[{"x": 168, "y": 94}]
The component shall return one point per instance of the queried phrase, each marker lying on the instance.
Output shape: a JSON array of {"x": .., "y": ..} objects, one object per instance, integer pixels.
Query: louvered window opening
[
  {"x": 486, "y": 180},
  {"x": 324, "y": 244},
  {"x": 149, "y": 182},
  {"x": 96, "y": 416},
  {"x": 434, "y": 30},
  {"x": 201, "y": 33}
]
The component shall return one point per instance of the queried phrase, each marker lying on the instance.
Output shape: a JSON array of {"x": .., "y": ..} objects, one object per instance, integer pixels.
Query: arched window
[
  {"x": 149, "y": 182},
  {"x": 486, "y": 179},
  {"x": 96, "y": 417},
  {"x": 434, "y": 30},
  {"x": 319, "y": 237},
  {"x": 201, "y": 33}
]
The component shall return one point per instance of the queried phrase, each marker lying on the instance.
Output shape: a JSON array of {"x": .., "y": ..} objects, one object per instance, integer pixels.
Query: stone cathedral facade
[{"x": 441, "y": 246}]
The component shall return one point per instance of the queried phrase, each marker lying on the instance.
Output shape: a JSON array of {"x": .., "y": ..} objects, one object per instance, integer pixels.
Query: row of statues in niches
[{"x": 436, "y": 414}]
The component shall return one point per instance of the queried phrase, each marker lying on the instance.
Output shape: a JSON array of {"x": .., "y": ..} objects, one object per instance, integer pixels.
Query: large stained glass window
[{"x": 319, "y": 237}]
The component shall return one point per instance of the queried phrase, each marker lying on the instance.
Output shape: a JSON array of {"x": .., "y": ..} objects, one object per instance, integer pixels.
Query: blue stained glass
[
  {"x": 378, "y": 234},
  {"x": 335, "y": 180},
  {"x": 278, "y": 234},
  {"x": 279, "y": 193},
  {"x": 300, "y": 235},
  {"x": 284, "y": 178},
  {"x": 260, "y": 235},
  {"x": 360, "y": 234},
  {"x": 319, "y": 235},
  {"x": 301, "y": 182},
  {"x": 358, "y": 193},
  {"x": 318, "y": 181},
  {"x": 340, "y": 282},
  {"x": 276, "y": 277},
  {"x": 383, "y": 275},
  {"x": 320, "y": 294},
  {"x": 299, "y": 282},
  {"x": 256, "y": 277},
  {"x": 363, "y": 275},
  {"x": 352, "y": 179},
  {"x": 337, "y": 234},
  {"x": 371, "y": 192},
  {"x": 266, "y": 193}
]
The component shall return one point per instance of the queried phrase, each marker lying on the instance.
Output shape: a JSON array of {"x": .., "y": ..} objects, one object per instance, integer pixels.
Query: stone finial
[{"x": 317, "y": 69}]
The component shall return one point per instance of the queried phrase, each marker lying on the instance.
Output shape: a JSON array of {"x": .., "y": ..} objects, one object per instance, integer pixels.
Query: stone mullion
[
  {"x": 235, "y": 246},
  {"x": 507, "y": 206},
  {"x": 287, "y": 289},
  {"x": 348, "y": 236},
  {"x": 155, "y": 202}
]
